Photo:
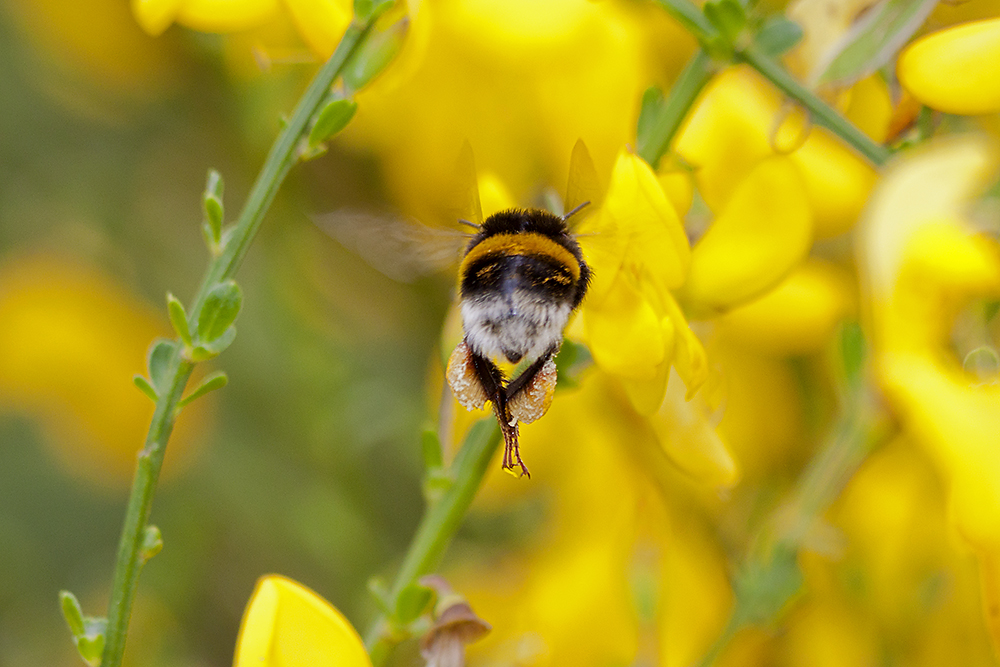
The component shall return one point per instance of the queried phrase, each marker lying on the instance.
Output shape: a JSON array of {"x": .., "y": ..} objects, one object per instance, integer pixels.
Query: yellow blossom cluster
[{"x": 726, "y": 280}]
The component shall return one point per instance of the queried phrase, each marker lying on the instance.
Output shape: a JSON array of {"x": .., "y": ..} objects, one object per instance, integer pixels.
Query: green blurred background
[{"x": 307, "y": 463}]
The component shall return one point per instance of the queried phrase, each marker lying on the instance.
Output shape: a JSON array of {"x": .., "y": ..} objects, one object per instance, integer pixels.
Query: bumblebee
[{"x": 521, "y": 277}]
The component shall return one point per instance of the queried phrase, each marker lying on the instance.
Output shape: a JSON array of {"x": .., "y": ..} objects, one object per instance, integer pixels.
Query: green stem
[
  {"x": 696, "y": 74},
  {"x": 139, "y": 503},
  {"x": 691, "y": 17},
  {"x": 279, "y": 161},
  {"x": 438, "y": 525},
  {"x": 822, "y": 112}
]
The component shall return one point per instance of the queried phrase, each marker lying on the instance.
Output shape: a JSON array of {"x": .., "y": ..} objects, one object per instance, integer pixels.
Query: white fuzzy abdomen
[{"x": 515, "y": 327}]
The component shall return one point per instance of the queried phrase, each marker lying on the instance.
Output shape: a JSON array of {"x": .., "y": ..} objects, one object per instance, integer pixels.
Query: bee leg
[
  {"x": 492, "y": 380},
  {"x": 529, "y": 395}
]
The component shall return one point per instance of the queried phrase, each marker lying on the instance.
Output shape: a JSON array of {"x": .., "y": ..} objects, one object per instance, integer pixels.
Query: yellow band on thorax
[{"x": 523, "y": 243}]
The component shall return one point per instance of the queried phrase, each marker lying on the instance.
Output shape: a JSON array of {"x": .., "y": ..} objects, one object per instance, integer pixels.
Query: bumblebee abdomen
[{"x": 521, "y": 278}]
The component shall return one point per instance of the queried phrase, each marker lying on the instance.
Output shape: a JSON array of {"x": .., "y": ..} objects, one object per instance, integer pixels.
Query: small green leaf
[
  {"x": 91, "y": 648},
  {"x": 158, "y": 363},
  {"x": 210, "y": 383},
  {"x": 778, "y": 35},
  {"x": 221, "y": 307},
  {"x": 178, "y": 318},
  {"x": 374, "y": 54},
  {"x": 764, "y": 588},
  {"x": 211, "y": 201},
  {"x": 413, "y": 601},
  {"x": 90, "y": 640},
  {"x": 152, "y": 543},
  {"x": 875, "y": 39},
  {"x": 206, "y": 351},
  {"x": 652, "y": 105},
  {"x": 71, "y": 612},
  {"x": 728, "y": 16},
  {"x": 144, "y": 386},
  {"x": 333, "y": 118}
]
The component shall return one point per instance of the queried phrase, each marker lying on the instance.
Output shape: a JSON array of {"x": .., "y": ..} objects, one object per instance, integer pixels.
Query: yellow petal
[
  {"x": 796, "y": 317},
  {"x": 155, "y": 16},
  {"x": 646, "y": 394},
  {"x": 729, "y": 133},
  {"x": 321, "y": 22},
  {"x": 870, "y": 107},
  {"x": 958, "y": 423},
  {"x": 287, "y": 625},
  {"x": 678, "y": 185},
  {"x": 225, "y": 15},
  {"x": 624, "y": 334},
  {"x": 837, "y": 182},
  {"x": 762, "y": 234},
  {"x": 645, "y": 218},
  {"x": 689, "y": 356},
  {"x": 690, "y": 440},
  {"x": 932, "y": 183},
  {"x": 954, "y": 70}
]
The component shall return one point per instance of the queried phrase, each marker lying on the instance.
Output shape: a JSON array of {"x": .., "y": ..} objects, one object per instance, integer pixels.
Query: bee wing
[
  {"x": 401, "y": 248},
  {"x": 583, "y": 186},
  {"x": 463, "y": 199}
]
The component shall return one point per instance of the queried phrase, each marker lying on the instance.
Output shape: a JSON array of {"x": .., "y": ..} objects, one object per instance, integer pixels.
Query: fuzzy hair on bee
[{"x": 521, "y": 277}]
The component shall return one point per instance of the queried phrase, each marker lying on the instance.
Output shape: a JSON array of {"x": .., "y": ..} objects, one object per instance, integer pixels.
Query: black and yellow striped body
[{"x": 521, "y": 277}]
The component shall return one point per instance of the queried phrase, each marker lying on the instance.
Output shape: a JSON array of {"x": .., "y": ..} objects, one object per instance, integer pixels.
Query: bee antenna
[
  {"x": 567, "y": 215},
  {"x": 470, "y": 224}
]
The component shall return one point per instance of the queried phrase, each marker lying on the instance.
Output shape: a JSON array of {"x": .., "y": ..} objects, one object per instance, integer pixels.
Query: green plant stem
[
  {"x": 770, "y": 577},
  {"x": 279, "y": 161},
  {"x": 438, "y": 525},
  {"x": 690, "y": 16},
  {"x": 685, "y": 91},
  {"x": 821, "y": 112}
]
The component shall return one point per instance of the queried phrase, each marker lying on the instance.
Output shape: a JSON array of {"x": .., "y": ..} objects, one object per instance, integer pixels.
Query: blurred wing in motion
[
  {"x": 402, "y": 249},
  {"x": 583, "y": 186},
  {"x": 463, "y": 201}
]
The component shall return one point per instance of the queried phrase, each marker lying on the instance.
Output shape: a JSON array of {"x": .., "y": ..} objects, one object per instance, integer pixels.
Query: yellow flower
[
  {"x": 729, "y": 132},
  {"x": 72, "y": 340},
  {"x": 287, "y": 625},
  {"x": 155, "y": 16},
  {"x": 797, "y": 317},
  {"x": 521, "y": 81},
  {"x": 761, "y": 234},
  {"x": 954, "y": 70},
  {"x": 639, "y": 252},
  {"x": 923, "y": 263}
]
